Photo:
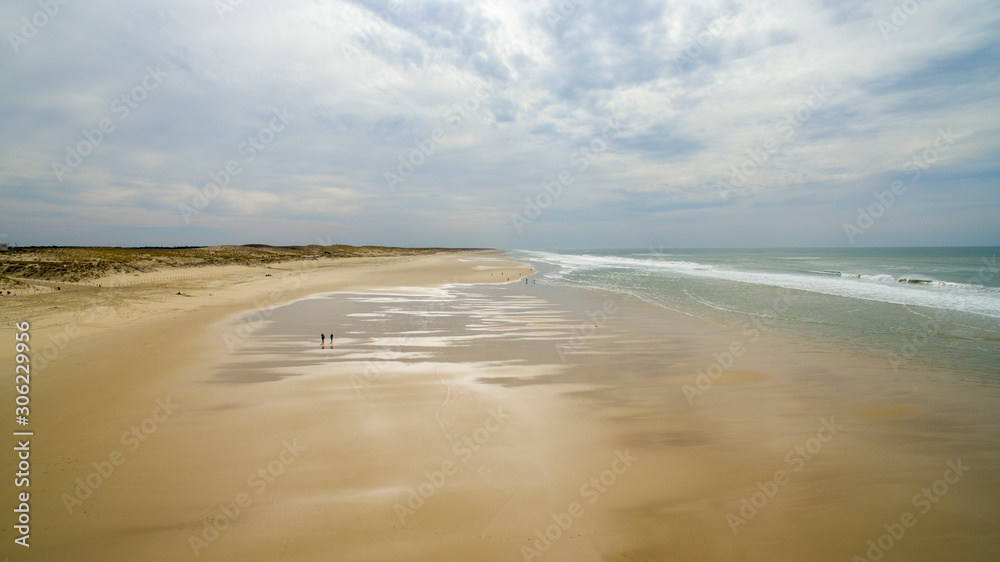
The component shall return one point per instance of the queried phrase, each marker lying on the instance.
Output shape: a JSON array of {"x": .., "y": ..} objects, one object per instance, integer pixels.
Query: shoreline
[
  {"x": 611, "y": 402},
  {"x": 768, "y": 410}
]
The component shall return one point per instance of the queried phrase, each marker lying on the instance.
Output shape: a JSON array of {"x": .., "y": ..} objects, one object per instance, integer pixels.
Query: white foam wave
[
  {"x": 929, "y": 293},
  {"x": 886, "y": 278}
]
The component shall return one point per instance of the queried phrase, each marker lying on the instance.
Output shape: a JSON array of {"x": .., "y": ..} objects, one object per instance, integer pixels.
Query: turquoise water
[{"x": 937, "y": 307}]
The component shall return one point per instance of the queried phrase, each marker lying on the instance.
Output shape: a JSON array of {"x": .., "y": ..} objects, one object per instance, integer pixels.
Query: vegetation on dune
[{"x": 73, "y": 264}]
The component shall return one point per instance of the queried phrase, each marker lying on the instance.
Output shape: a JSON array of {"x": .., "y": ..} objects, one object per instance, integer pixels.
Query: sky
[{"x": 505, "y": 124}]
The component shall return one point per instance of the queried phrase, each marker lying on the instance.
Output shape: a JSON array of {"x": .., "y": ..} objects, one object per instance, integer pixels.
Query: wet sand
[{"x": 470, "y": 421}]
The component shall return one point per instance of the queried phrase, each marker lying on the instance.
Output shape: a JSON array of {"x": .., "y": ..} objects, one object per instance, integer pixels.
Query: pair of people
[{"x": 322, "y": 338}]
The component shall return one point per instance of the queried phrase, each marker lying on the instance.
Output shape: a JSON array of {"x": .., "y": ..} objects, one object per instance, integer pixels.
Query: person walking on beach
[
  {"x": 331, "y": 339},
  {"x": 322, "y": 339}
]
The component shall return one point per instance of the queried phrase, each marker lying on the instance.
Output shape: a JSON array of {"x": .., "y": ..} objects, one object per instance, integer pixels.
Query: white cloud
[{"x": 366, "y": 89}]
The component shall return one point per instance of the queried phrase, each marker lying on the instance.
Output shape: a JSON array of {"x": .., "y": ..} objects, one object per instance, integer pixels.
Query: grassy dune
[{"x": 75, "y": 264}]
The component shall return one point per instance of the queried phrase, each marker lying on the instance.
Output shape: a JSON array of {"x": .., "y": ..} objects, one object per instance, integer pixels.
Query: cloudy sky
[{"x": 573, "y": 124}]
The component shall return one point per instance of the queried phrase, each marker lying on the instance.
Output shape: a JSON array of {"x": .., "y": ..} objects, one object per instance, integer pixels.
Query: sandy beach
[
  {"x": 461, "y": 413},
  {"x": 500, "y": 281}
]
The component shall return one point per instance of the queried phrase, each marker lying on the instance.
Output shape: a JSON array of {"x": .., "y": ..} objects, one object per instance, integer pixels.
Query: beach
[
  {"x": 463, "y": 413},
  {"x": 500, "y": 281}
]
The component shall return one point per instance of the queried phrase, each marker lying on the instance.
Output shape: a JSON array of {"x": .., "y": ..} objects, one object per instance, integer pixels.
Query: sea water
[{"x": 936, "y": 307}]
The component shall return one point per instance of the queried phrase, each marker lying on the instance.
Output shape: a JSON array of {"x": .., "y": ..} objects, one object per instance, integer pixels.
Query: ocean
[{"x": 936, "y": 308}]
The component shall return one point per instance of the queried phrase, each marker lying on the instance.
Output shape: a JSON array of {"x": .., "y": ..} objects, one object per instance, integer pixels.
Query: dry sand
[
  {"x": 103, "y": 358},
  {"x": 355, "y": 452}
]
